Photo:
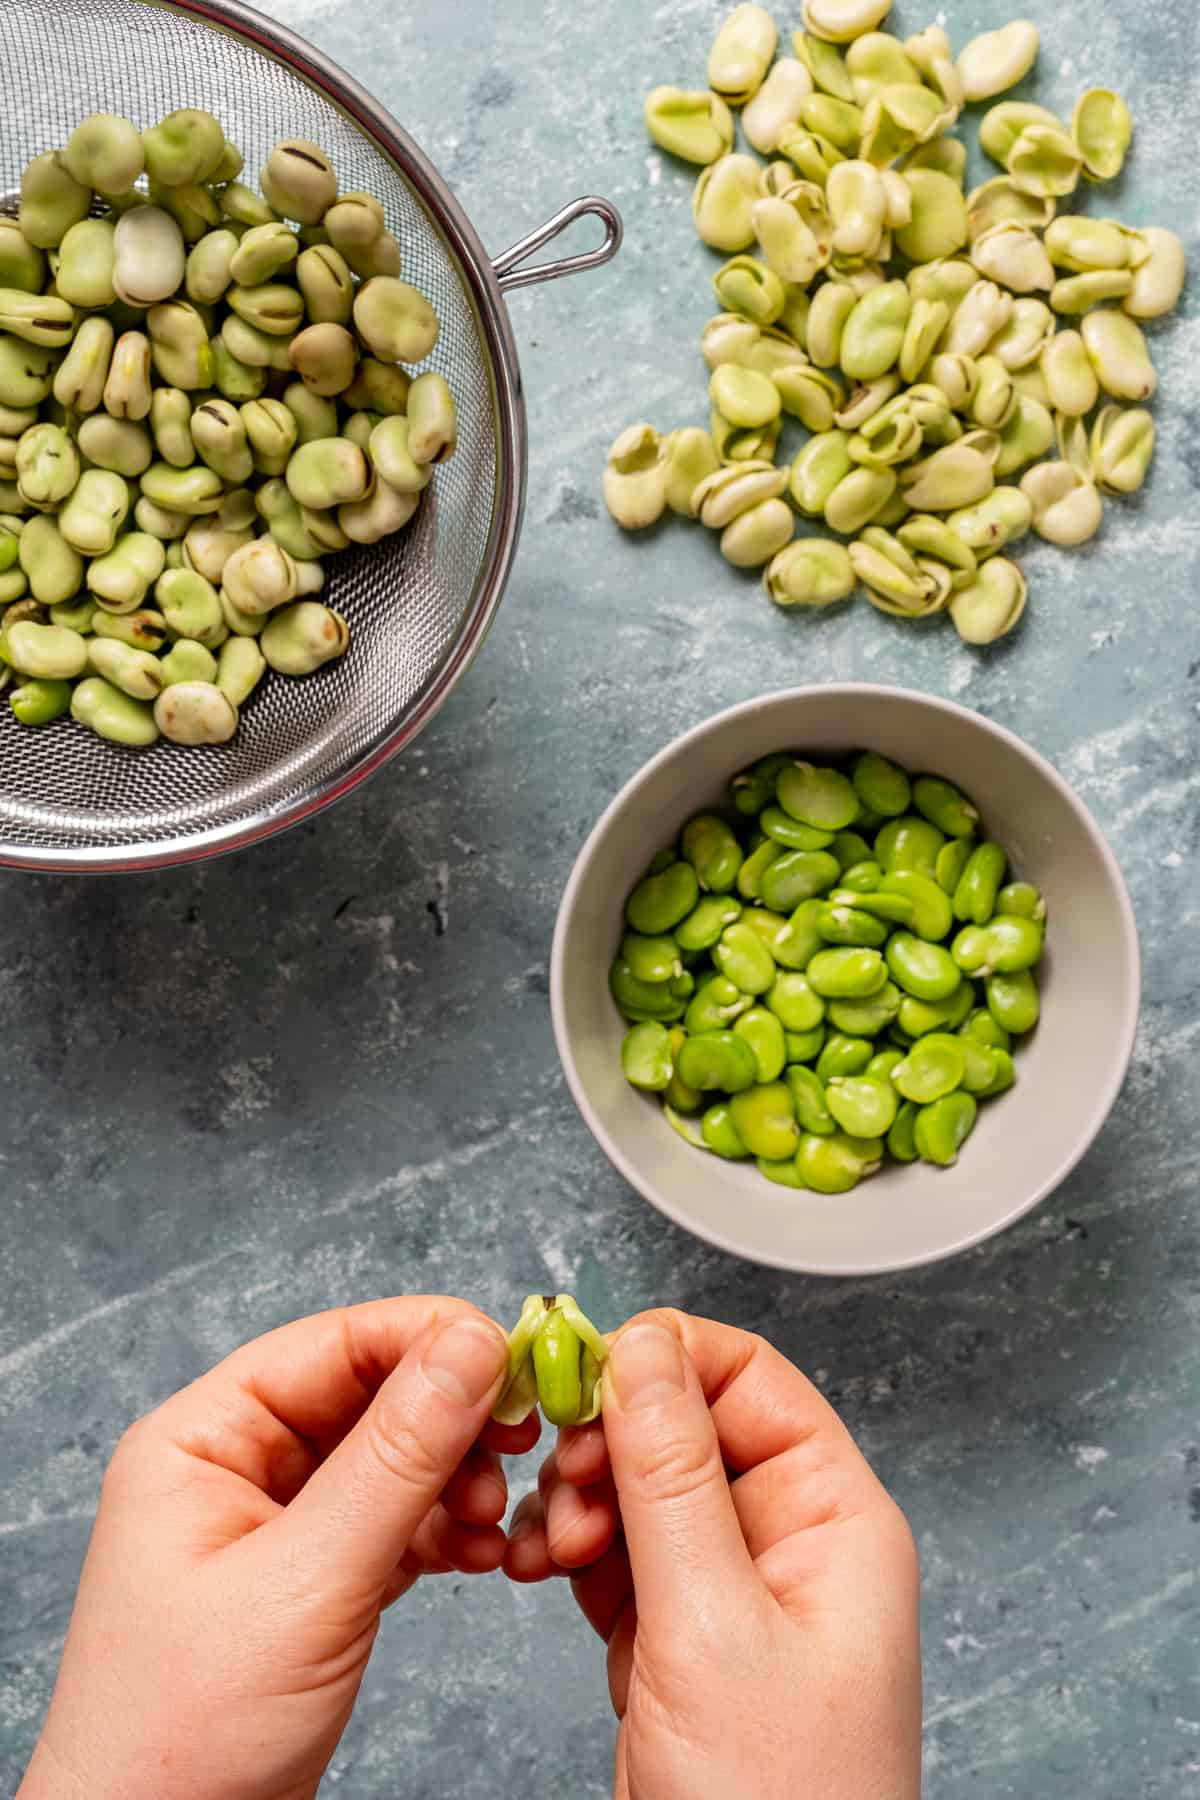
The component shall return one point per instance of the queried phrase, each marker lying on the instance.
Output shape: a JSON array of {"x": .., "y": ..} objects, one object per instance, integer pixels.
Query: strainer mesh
[{"x": 407, "y": 599}]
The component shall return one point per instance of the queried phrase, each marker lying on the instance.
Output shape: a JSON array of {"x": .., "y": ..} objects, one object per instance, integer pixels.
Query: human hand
[
  {"x": 755, "y": 1585},
  {"x": 250, "y": 1533}
]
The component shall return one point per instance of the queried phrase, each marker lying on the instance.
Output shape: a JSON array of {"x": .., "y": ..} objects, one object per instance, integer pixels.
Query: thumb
[
  {"x": 681, "y": 1529},
  {"x": 356, "y": 1515}
]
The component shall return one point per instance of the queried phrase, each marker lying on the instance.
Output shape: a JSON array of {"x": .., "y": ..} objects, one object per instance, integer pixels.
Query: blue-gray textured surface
[{"x": 241, "y": 1093}]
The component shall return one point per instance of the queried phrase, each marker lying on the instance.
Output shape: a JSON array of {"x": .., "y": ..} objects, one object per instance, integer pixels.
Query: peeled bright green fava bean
[
  {"x": 894, "y": 909},
  {"x": 720, "y": 1134},
  {"x": 717, "y": 1060},
  {"x": 933, "y": 1067},
  {"x": 796, "y": 876},
  {"x": 982, "y": 1067},
  {"x": 645, "y": 999},
  {"x": 842, "y": 924},
  {"x": 944, "y": 806},
  {"x": 754, "y": 868},
  {"x": 952, "y": 859},
  {"x": 882, "y": 1064},
  {"x": 847, "y": 974},
  {"x": 1020, "y": 899},
  {"x": 900, "y": 1141},
  {"x": 660, "y": 902},
  {"x": 834, "y": 1165},
  {"x": 1013, "y": 943},
  {"x": 790, "y": 832},
  {"x": 111, "y": 714},
  {"x": 646, "y": 1059},
  {"x": 715, "y": 1006},
  {"x": 978, "y": 886},
  {"x": 926, "y": 971},
  {"x": 909, "y": 843},
  {"x": 764, "y": 1118},
  {"x": 942, "y": 1127},
  {"x": 932, "y": 915},
  {"x": 651, "y": 958},
  {"x": 793, "y": 1002},
  {"x": 1004, "y": 1075},
  {"x": 850, "y": 847},
  {"x": 677, "y": 1094},
  {"x": 795, "y": 941},
  {"x": 1012, "y": 1000},
  {"x": 766, "y": 1037},
  {"x": 805, "y": 1046},
  {"x": 861, "y": 877},
  {"x": 822, "y": 798},
  {"x": 713, "y": 851},
  {"x": 706, "y": 921},
  {"x": 744, "y": 959},
  {"x": 917, "y": 1018},
  {"x": 783, "y": 1174},
  {"x": 843, "y": 1055},
  {"x": 866, "y": 1018},
  {"x": 40, "y": 702},
  {"x": 754, "y": 788},
  {"x": 808, "y": 1100},
  {"x": 881, "y": 785},
  {"x": 862, "y": 1105},
  {"x": 986, "y": 1030},
  {"x": 557, "y": 1367}
]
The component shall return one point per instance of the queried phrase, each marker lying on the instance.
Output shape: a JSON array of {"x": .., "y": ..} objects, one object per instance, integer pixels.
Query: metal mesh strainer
[{"x": 418, "y": 604}]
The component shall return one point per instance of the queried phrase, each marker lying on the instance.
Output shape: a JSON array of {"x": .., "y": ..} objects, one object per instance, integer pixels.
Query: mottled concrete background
[{"x": 237, "y": 1094}]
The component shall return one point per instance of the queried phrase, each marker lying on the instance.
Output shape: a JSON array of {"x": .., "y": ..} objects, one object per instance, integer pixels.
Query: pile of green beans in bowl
[{"x": 832, "y": 972}]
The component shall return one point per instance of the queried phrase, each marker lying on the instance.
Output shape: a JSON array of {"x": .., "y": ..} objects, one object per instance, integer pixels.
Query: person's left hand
[{"x": 250, "y": 1533}]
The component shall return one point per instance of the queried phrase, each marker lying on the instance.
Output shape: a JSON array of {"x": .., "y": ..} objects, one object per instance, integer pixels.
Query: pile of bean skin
[
  {"x": 912, "y": 329},
  {"x": 198, "y": 402},
  {"x": 832, "y": 973}
]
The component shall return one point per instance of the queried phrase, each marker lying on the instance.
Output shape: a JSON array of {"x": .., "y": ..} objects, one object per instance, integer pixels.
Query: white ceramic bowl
[{"x": 1068, "y": 1075}]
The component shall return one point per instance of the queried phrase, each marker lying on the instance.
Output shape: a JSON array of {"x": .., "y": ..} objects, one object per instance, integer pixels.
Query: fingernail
[
  {"x": 464, "y": 1360},
  {"x": 521, "y": 1527},
  {"x": 646, "y": 1364}
]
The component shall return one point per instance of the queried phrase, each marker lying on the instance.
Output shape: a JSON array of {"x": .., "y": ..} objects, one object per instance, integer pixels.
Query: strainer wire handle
[{"x": 508, "y": 268}]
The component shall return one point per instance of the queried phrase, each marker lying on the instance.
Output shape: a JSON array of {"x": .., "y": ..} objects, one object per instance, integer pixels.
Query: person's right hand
[{"x": 756, "y": 1586}]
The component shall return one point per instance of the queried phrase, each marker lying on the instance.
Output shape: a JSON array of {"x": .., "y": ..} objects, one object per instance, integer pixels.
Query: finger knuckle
[
  {"x": 401, "y": 1449},
  {"x": 674, "y": 1466}
]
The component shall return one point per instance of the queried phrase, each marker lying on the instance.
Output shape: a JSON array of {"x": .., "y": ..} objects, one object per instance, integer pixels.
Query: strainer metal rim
[{"x": 485, "y": 282}]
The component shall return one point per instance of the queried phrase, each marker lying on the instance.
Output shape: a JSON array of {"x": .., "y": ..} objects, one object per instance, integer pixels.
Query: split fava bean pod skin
[
  {"x": 555, "y": 1360},
  {"x": 937, "y": 343},
  {"x": 830, "y": 972}
]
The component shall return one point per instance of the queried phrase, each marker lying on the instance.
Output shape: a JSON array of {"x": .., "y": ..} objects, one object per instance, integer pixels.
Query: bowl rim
[{"x": 1124, "y": 1036}]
